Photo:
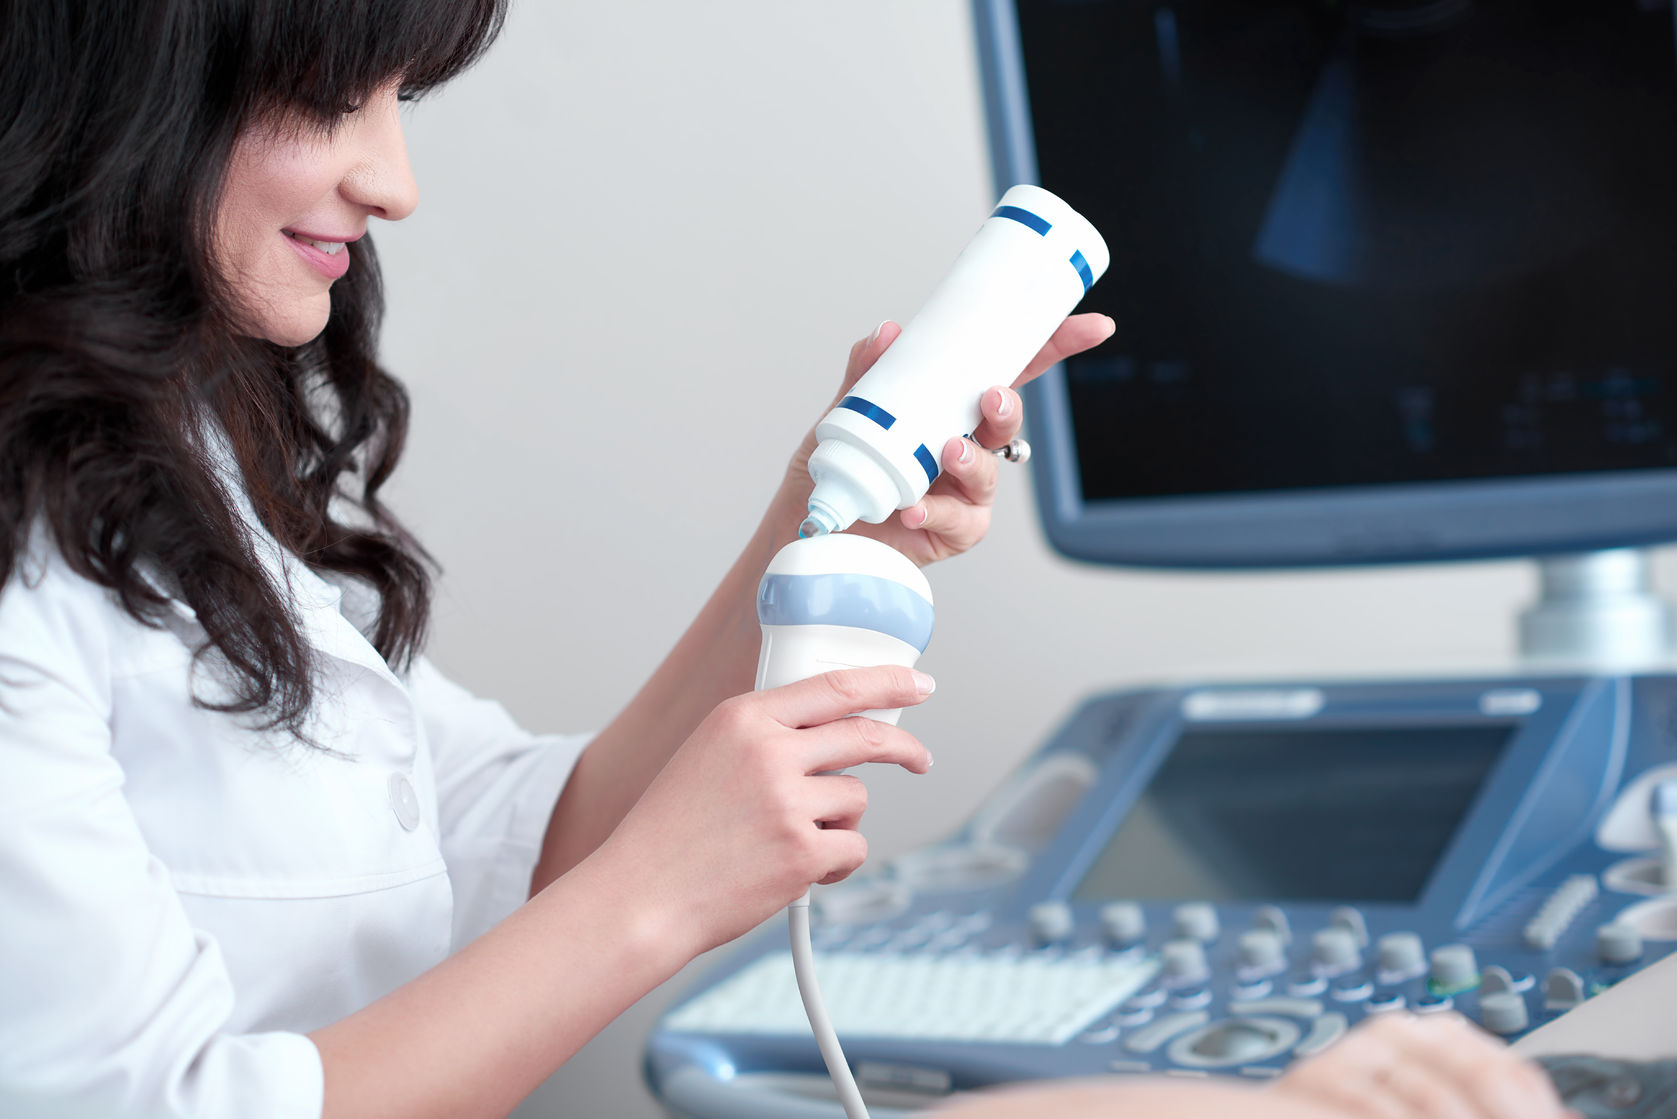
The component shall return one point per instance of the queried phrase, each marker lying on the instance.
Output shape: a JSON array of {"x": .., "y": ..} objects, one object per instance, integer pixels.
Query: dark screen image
[
  {"x": 1340, "y": 815},
  {"x": 1364, "y": 243}
]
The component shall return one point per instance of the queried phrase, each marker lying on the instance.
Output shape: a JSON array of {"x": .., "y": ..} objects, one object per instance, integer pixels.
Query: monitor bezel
[{"x": 1332, "y": 526}]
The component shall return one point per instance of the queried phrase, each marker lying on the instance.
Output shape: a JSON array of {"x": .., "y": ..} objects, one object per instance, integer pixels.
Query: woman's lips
[{"x": 330, "y": 258}]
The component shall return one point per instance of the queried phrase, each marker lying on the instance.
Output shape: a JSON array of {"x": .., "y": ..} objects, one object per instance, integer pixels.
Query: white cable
[{"x": 803, "y": 964}]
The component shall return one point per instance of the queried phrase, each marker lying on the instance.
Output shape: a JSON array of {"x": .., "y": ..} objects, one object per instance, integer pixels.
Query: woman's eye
[{"x": 349, "y": 107}]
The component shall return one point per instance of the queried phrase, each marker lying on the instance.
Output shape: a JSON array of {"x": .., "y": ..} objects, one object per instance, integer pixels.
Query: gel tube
[
  {"x": 825, "y": 603},
  {"x": 1018, "y": 278}
]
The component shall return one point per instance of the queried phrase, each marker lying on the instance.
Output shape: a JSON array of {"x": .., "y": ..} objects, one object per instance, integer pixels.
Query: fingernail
[
  {"x": 1111, "y": 325},
  {"x": 1003, "y": 404},
  {"x": 966, "y": 452},
  {"x": 930, "y": 761},
  {"x": 918, "y": 515},
  {"x": 924, "y": 683},
  {"x": 874, "y": 337}
]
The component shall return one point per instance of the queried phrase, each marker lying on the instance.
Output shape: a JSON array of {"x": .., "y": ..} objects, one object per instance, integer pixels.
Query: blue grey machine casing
[{"x": 1574, "y": 746}]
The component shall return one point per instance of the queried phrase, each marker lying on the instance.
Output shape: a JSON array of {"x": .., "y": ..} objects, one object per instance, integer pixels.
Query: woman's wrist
[{"x": 656, "y": 924}]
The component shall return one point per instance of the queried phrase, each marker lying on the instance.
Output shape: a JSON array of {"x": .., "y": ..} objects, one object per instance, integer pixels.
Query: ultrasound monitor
[{"x": 1395, "y": 280}]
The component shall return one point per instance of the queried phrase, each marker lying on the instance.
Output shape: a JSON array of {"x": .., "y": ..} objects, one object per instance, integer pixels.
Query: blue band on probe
[
  {"x": 927, "y": 461},
  {"x": 869, "y": 409},
  {"x": 1082, "y": 267},
  {"x": 1023, "y": 217},
  {"x": 846, "y": 599}
]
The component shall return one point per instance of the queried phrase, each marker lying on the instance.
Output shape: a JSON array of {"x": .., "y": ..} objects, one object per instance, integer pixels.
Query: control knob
[
  {"x": 1195, "y": 921},
  {"x": 1454, "y": 968},
  {"x": 1274, "y": 918},
  {"x": 1351, "y": 919},
  {"x": 1504, "y": 1012},
  {"x": 1495, "y": 980},
  {"x": 1183, "y": 961},
  {"x": 1051, "y": 921},
  {"x": 1618, "y": 943},
  {"x": 1261, "y": 952},
  {"x": 1563, "y": 989},
  {"x": 1334, "y": 949},
  {"x": 1400, "y": 954},
  {"x": 1123, "y": 922}
]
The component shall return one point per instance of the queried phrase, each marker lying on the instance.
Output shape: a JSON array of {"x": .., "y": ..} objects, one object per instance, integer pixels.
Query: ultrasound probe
[{"x": 830, "y": 602}]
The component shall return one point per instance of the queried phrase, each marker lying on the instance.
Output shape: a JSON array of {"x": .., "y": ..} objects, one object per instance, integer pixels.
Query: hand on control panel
[
  {"x": 1406, "y": 1066},
  {"x": 1393, "y": 1066}
]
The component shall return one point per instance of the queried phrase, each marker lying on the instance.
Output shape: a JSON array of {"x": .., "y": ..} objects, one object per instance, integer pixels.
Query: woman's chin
[{"x": 296, "y": 324}]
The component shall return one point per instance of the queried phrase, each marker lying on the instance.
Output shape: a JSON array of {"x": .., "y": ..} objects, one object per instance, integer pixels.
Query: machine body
[{"x": 1220, "y": 880}]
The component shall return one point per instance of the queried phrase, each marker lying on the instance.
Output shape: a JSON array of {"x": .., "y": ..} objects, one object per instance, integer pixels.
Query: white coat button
[{"x": 404, "y": 801}]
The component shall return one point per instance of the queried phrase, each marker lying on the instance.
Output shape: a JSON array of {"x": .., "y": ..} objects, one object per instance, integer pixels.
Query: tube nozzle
[{"x": 820, "y": 522}]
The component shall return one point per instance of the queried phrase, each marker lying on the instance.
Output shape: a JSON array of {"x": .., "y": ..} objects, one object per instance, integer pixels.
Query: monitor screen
[
  {"x": 1356, "y": 815},
  {"x": 1367, "y": 247}
]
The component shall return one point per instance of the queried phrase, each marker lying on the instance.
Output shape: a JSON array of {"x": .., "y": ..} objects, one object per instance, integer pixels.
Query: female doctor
[{"x": 258, "y": 858}]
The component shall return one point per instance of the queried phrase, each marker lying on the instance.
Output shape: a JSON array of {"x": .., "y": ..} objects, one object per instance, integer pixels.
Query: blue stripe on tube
[
  {"x": 869, "y": 409},
  {"x": 1023, "y": 217},
  {"x": 1082, "y": 267}
]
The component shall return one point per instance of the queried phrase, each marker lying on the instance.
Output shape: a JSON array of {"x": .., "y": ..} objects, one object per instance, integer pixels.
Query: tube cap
[{"x": 849, "y": 486}]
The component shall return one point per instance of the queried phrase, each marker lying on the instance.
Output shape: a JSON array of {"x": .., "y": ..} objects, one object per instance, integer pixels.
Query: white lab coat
[{"x": 182, "y": 897}]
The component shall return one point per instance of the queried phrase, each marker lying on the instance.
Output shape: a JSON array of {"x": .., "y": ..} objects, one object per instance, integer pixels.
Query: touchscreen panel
[{"x": 1360, "y": 814}]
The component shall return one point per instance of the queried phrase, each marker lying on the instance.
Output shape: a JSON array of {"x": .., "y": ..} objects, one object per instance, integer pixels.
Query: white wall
[{"x": 650, "y": 231}]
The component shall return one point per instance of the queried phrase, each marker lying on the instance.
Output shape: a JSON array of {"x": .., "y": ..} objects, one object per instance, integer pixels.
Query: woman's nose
[{"x": 382, "y": 180}]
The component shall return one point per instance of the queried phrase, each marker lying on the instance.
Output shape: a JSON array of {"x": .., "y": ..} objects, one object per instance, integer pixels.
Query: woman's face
[{"x": 294, "y": 196}]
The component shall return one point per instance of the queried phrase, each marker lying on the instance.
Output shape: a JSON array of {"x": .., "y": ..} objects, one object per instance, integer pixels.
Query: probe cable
[{"x": 803, "y": 965}]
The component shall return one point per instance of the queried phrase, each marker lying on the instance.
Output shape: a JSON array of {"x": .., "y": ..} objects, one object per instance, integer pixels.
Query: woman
[{"x": 257, "y": 856}]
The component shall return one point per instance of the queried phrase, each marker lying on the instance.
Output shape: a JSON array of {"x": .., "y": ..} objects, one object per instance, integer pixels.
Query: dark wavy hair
[{"x": 118, "y": 341}]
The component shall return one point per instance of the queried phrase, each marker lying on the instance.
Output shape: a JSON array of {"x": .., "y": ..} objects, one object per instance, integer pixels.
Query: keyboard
[{"x": 1003, "y": 996}]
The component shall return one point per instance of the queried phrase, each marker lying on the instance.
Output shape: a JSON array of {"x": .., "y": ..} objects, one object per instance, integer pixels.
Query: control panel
[{"x": 1218, "y": 881}]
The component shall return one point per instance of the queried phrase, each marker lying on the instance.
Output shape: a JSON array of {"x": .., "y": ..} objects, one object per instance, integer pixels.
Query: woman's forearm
[
  {"x": 476, "y": 1034},
  {"x": 715, "y": 658}
]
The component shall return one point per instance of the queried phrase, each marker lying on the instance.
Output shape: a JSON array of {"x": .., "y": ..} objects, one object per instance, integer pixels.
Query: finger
[
  {"x": 1342, "y": 1077},
  {"x": 1482, "y": 1071},
  {"x": 955, "y": 521},
  {"x": 1076, "y": 334},
  {"x": 846, "y": 691},
  {"x": 1001, "y": 415},
  {"x": 968, "y": 471},
  {"x": 1352, "y": 1073},
  {"x": 842, "y": 853},
  {"x": 1426, "y": 1091},
  {"x": 849, "y": 742},
  {"x": 864, "y": 353},
  {"x": 839, "y": 800}
]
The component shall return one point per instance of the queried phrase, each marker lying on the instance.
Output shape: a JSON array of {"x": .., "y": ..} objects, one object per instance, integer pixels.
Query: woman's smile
[{"x": 325, "y": 254}]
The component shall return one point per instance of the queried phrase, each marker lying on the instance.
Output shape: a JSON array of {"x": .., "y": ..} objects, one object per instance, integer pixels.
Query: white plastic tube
[{"x": 1022, "y": 273}]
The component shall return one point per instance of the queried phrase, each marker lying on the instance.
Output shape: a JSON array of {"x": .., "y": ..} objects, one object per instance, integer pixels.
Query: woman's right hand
[
  {"x": 1435, "y": 1066},
  {"x": 746, "y": 815}
]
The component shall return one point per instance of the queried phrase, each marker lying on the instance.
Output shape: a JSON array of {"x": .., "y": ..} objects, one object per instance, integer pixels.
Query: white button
[{"x": 404, "y": 801}]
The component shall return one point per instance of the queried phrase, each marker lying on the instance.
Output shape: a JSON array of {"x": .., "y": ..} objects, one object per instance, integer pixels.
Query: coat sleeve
[
  {"x": 111, "y": 1003},
  {"x": 496, "y": 788}
]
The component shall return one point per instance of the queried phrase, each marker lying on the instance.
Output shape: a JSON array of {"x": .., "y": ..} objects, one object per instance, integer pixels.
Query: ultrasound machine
[{"x": 1396, "y": 282}]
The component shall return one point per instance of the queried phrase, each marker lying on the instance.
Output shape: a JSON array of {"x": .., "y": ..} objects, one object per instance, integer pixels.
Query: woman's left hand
[{"x": 955, "y": 513}]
